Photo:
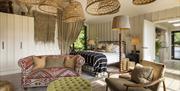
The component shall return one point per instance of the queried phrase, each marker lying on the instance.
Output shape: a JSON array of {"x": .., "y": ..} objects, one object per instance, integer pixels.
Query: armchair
[{"x": 123, "y": 84}]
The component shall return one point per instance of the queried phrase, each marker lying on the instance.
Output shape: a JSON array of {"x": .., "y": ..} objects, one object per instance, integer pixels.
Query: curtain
[
  {"x": 67, "y": 33},
  {"x": 44, "y": 27}
]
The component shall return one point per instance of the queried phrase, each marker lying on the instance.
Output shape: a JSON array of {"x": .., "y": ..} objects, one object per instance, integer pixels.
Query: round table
[
  {"x": 5, "y": 86},
  {"x": 69, "y": 84}
]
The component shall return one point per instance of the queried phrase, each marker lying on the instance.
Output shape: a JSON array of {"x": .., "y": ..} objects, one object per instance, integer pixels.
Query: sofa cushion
[
  {"x": 51, "y": 73},
  {"x": 142, "y": 74},
  {"x": 70, "y": 61},
  {"x": 54, "y": 61},
  {"x": 39, "y": 62},
  {"x": 117, "y": 84}
]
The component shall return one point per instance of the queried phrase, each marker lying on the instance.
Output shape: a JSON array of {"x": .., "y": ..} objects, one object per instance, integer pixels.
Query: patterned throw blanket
[{"x": 94, "y": 62}]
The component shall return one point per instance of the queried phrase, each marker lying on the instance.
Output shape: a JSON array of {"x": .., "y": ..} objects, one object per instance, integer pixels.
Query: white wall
[{"x": 17, "y": 38}]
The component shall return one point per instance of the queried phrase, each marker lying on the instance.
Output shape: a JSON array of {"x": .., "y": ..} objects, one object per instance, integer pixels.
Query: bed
[{"x": 96, "y": 61}]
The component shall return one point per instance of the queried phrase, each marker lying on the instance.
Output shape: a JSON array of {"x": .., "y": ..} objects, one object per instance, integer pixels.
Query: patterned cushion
[
  {"x": 51, "y": 73},
  {"x": 142, "y": 74},
  {"x": 70, "y": 62},
  {"x": 39, "y": 62},
  {"x": 54, "y": 61}
]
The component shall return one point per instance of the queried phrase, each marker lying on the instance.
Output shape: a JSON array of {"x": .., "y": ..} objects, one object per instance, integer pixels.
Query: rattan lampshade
[
  {"x": 121, "y": 23},
  {"x": 51, "y": 6},
  {"x": 35, "y": 2},
  {"x": 141, "y": 2},
  {"x": 73, "y": 12},
  {"x": 102, "y": 7}
]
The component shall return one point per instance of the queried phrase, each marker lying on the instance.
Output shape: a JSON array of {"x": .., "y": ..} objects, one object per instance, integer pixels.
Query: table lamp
[{"x": 135, "y": 41}]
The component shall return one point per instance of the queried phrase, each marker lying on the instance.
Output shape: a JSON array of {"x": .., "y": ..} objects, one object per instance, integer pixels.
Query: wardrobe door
[
  {"x": 10, "y": 43},
  {"x": 3, "y": 42},
  {"x": 18, "y": 42}
]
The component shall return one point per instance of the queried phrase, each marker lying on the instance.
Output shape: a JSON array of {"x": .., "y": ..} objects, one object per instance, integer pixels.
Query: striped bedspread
[{"x": 94, "y": 62}]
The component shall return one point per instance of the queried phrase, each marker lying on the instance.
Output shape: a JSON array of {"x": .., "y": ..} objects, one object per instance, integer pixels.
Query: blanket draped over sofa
[{"x": 41, "y": 77}]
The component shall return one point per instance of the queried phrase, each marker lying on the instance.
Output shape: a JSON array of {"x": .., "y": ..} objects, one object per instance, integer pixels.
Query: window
[
  {"x": 176, "y": 45},
  {"x": 80, "y": 43}
]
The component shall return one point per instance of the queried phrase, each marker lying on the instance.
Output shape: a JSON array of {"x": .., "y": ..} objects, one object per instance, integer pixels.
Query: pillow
[
  {"x": 109, "y": 47},
  {"x": 70, "y": 62},
  {"x": 54, "y": 62},
  {"x": 142, "y": 74},
  {"x": 39, "y": 62},
  {"x": 115, "y": 49},
  {"x": 99, "y": 46}
]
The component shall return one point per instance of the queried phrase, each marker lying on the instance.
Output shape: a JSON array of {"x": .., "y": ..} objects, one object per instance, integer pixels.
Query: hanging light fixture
[
  {"x": 31, "y": 2},
  {"x": 73, "y": 12},
  {"x": 51, "y": 6},
  {"x": 102, "y": 7},
  {"x": 141, "y": 2}
]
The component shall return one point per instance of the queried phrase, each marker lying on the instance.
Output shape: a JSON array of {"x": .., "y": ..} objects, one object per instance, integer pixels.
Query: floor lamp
[{"x": 120, "y": 23}]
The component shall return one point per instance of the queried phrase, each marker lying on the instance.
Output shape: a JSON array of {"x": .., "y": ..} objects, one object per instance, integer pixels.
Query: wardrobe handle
[
  {"x": 20, "y": 45},
  {"x": 3, "y": 45}
]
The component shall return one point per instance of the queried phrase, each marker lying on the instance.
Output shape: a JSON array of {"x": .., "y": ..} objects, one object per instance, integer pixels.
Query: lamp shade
[
  {"x": 121, "y": 23},
  {"x": 141, "y": 2},
  {"x": 91, "y": 42},
  {"x": 73, "y": 12},
  {"x": 102, "y": 7},
  {"x": 135, "y": 41}
]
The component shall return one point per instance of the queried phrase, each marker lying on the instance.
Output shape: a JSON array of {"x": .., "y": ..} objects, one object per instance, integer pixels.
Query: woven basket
[
  {"x": 142, "y": 2},
  {"x": 102, "y": 7}
]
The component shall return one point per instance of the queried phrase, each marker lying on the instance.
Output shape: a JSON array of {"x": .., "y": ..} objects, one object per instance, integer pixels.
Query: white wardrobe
[{"x": 17, "y": 41}]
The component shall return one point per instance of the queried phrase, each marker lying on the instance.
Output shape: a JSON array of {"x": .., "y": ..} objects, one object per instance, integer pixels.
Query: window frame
[{"x": 173, "y": 44}]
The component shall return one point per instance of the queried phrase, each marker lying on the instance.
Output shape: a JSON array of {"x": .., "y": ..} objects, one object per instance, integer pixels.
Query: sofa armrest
[
  {"x": 79, "y": 63},
  {"x": 26, "y": 64}
]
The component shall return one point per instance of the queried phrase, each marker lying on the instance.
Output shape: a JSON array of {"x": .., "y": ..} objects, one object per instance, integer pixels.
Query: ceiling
[
  {"x": 127, "y": 8},
  {"x": 168, "y": 26}
]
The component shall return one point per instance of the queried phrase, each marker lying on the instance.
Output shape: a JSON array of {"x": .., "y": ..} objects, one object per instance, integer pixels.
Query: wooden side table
[{"x": 5, "y": 86}]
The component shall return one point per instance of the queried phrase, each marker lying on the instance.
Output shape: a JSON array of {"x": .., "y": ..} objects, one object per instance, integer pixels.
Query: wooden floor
[{"x": 172, "y": 82}]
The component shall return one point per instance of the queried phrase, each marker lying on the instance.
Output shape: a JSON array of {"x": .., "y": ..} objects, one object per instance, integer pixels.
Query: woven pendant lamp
[
  {"x": 51, "y": 6},
  {"x": 73, "y": 12},
  {"x": 31, "y": 2},
  {"x": 102, "y": 7},
  {"x": 142, "y": 2}
]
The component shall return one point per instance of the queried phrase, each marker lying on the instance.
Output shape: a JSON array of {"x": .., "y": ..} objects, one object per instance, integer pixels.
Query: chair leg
[
  {"x": 106, "y": 87},
  {"x": 164, "y": 86},
  {"x": 25, "y": 89},
  {"x": 126, "y": 88}
]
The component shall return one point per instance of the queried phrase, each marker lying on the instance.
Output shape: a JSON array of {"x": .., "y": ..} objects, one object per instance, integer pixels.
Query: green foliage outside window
[
  {"x": 177, "y": 38},
  {"x": 79, "y": 44}
]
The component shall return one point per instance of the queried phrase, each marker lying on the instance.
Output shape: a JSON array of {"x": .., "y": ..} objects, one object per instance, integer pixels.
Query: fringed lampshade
[
  {"x": 73, "y": 12},
  {"x": 51, "y": 6},
  {"x": 141, "y": 2},
  {"x": 32, "y": 2},
  {"x": 102, "y": 7}
]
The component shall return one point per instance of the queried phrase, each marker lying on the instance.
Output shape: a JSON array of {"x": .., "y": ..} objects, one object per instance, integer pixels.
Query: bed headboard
[{"x": 109, "y": 42}]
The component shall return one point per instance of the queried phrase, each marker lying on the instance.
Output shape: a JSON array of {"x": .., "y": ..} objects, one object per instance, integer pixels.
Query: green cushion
[{"x": 54, "y": 62}]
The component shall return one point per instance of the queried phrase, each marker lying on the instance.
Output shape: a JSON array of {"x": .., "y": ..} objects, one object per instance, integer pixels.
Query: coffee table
[{"x": 70, "y": 84}]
